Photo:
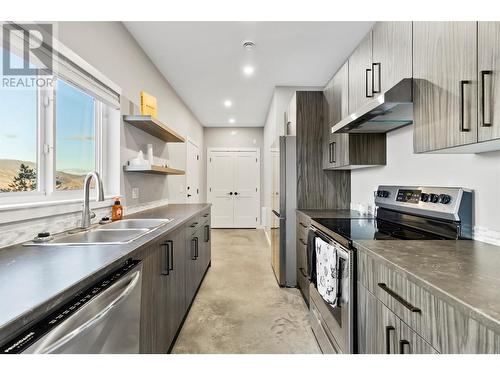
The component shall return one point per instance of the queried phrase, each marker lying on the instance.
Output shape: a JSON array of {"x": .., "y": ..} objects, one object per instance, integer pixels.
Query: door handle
[
  {"x": 332, "y": 152},
  {"x": 462, "y": 105},
  {"x": 388, "y": 330},
  {"x": 230, "y": 193},
  {"x": 207, "y": 233},
  {"x": 302, "y": 224},
  {"x": 171, "y": 257},
  {"x": 193, "y": 225},
  {"x": 398, "y": 298},
  {"x": 196, "y": 248},
  {"x": 485, "y": 102},
  {"x": 377, "y": 66},
  {"x": 302, "y": 242},
  {"x": 276, "y": 213},
  {"x": 367, "y": 73},
  {"x": 166, "y": 251},
  {"x": 402, "y": 344},
  {"x": 194, "y": 242},
  {"x": 236, "y": 193},
  {"x": 189, "y": 195}
]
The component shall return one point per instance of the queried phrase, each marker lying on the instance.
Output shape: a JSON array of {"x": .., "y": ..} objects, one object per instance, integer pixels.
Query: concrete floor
[{"x": 240, "y": 308}]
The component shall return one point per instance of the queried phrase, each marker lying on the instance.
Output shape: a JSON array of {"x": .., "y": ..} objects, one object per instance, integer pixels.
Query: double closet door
[{"x": 233, "y": 181}]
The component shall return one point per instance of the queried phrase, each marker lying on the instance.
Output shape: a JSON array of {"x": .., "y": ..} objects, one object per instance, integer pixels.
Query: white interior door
[
  {"x": 246, "y": 189},
  {"x": 233, "y": 180},
  {"x": 192, "y": 173},
  {"x": 220, "y": 174}
]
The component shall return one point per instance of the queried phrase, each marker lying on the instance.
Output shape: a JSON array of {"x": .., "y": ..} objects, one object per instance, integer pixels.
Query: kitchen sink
[
  {"x": 99, "y": 237},
  {"x": 137, "y": 224},
  {"x": 116, "y": 233}
]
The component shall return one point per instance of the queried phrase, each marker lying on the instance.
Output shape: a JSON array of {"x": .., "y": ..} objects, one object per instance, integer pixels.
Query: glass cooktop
[{"x": 373, "y": 229}]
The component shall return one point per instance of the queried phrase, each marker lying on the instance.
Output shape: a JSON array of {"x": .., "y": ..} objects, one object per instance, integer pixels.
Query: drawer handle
[
  {"x": 302, "y": 242},
  {"x": 194, "y": 225},
  {"x": 402, "y": 344},
  {"x": 398, "y": 298},
  {"x": 388, "y": 330},
  {"x": 302, "y": 272},
  {"x": 302, "y": 224}
]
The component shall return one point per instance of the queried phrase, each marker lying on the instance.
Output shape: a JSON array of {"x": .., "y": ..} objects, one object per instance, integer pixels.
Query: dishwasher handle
[{"x": 134, "y": 279}]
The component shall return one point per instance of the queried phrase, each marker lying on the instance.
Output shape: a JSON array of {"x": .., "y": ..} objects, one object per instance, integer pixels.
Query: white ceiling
[{"x": 203, "y": 61}]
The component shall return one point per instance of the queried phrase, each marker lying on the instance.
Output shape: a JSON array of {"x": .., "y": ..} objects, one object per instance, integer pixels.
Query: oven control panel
[{"x": 444, "y": 202}]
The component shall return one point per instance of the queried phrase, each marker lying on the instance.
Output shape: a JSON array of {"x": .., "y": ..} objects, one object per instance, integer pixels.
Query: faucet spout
[{"x": 86, "y": 214}]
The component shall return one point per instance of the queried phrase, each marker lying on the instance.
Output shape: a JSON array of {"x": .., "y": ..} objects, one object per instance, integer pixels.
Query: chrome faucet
[{"x": 86, "y": 213}]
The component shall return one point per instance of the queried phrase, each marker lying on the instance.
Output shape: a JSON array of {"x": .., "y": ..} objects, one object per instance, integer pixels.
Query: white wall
[
  {"x": 480, "y": 172},
  {"x": 236, "y": 137},
  {"x": 110, "y": 48}
]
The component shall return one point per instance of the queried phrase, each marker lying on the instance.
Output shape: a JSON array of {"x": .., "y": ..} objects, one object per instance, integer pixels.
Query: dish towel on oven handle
[{"x": 327, "y": 271}]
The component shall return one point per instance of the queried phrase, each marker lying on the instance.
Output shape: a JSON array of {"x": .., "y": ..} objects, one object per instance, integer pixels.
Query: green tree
[{"x": 25, "y": 179}]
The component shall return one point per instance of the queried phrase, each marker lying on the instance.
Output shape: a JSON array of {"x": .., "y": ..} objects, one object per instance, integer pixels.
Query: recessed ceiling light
[
  {"x": 228, "y": 103},
  {"x": 232, "y": 120},
  {"x": 248, "y": 45},
  {"x": 248, "y": 70}
]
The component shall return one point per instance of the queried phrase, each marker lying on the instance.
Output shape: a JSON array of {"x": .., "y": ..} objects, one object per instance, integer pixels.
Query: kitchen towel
[{"x": 326, "y": 271}]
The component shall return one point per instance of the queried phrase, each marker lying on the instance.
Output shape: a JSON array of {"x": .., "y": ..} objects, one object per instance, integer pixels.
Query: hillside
[{"x": 9, "y": 169}]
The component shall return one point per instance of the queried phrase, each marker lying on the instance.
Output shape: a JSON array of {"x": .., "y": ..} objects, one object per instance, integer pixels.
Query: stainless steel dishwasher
[{"x": 104, "y": 318}]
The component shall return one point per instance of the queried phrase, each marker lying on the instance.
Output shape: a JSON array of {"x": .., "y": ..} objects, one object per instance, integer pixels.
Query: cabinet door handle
[
  {"x": 331, "y": 152},
  {"x": 486, "y": 101},
  {"x": 367, "y": 80},
  {"x": 196, "y": 248},
  {"x": 302, "y": 242},
  {"x": 388, "y": 330},
  {"x": 302, "y": 224},
  {"x": 193, "y": 225},
  {"x": 194, "y": 245},
  {"x": 462, "y": 105},
  {"x": 166, "y": 252},
  {"x": 171, "y": 257},
  {"x": 377, "y": 74},
  {"x": 398, "y": 298},
  {"x": 207, "y": 233},
  {"x": 402, "y": 344}
]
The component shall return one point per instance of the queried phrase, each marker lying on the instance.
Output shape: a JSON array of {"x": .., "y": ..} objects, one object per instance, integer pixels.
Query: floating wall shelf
[
  {"x": 153, "y": 126},
  {"x": 154, "y": 169}
]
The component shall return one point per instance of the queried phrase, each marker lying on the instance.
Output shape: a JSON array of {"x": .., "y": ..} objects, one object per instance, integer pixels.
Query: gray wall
[
  {"x": 110, "y": 48},
  {"x": 236, "y": 137}
]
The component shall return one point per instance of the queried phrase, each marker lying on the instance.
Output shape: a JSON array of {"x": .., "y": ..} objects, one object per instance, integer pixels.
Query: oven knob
[
  {"x": 424, "y": 197},
  {"x": 434, "y": 198},
  {"x": 444, "y": 198}
]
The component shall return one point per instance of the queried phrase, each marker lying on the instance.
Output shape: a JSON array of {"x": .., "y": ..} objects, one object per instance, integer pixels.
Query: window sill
[{"x": 35, "y": 210}]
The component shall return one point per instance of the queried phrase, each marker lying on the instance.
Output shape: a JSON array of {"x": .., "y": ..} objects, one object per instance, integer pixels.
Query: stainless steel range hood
[{"x": 385, "y": 112}]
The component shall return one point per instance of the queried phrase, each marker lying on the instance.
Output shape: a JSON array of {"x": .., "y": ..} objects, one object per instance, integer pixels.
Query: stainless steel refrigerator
[{"x": 284, "y": 203}]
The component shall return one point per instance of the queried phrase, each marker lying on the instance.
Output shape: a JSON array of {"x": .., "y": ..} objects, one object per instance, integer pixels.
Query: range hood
[{"x": 385, "y": 112}]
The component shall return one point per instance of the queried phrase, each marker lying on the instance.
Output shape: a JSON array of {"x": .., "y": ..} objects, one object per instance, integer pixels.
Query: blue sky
[{"x": 74, "y": 127}]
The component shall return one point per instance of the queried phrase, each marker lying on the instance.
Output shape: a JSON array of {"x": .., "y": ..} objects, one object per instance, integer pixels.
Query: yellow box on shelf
[{"x": 148, "y": 104}]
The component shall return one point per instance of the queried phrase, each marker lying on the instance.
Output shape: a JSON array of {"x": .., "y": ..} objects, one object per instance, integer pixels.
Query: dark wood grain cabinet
[
  {"x": 316, "y": 188},
  {"x": 380, "y": 331},
  {"x": 360, "y": 74},
  {"x": 173, "y": 268},
  {"x": 445, "y": 85},
  {"x": 345, "y": 151}
]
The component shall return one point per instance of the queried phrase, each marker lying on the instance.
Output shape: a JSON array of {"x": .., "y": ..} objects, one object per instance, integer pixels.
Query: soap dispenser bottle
[{"x": 116, "y": 210}]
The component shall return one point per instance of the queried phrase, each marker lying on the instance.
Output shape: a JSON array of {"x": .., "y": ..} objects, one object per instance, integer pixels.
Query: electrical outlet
[{"x": 135, "y": 193}]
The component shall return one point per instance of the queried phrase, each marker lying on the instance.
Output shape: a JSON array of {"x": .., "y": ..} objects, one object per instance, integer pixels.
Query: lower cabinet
[
  {"x": 380, "y": 331},
  {"x": 173, "y": 268}
]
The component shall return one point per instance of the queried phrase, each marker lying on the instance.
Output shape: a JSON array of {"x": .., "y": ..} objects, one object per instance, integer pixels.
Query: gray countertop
[
  {"x": 331, "y": 213},
  {"x": 466, "y": 273},
  {"x": 34, "y": 280}
]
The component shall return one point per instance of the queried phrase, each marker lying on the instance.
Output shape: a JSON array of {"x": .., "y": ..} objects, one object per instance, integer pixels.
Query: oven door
[{"x": 338, "y": 321}]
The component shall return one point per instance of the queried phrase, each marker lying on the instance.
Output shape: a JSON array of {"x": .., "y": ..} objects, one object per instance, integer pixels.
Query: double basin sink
[{"x": 116, "y": 233}]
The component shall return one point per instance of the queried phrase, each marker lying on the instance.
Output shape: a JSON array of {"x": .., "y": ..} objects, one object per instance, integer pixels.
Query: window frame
[{"x": 46, "y": 192}]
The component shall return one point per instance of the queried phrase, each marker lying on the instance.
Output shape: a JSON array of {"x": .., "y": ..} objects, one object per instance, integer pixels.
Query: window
[
  {"x": 18, "y": 138},
  {"x": 75, "y": 136},
  {"x": 52, "y": 136}
]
